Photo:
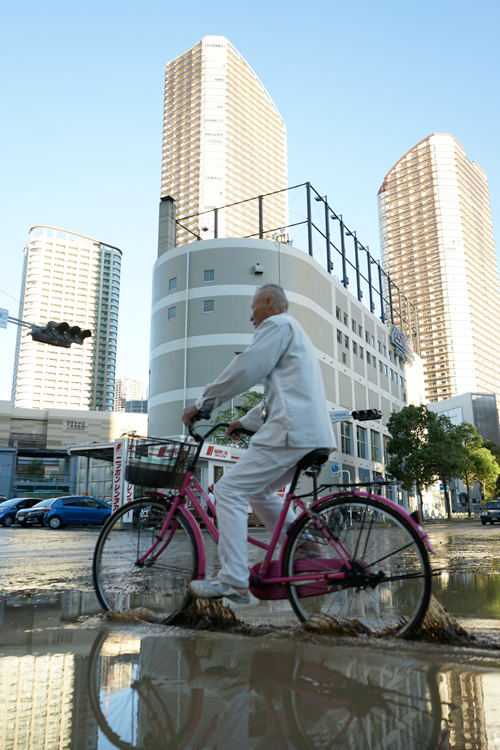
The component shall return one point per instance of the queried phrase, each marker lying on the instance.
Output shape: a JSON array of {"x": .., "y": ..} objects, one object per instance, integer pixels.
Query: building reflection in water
[{"x": 71, "y": 687}]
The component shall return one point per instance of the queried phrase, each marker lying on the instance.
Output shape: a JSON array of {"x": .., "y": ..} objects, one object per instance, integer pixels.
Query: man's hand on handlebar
[
  {"x": 189, "y": 415},
  {"x": 233, "y": 430}
]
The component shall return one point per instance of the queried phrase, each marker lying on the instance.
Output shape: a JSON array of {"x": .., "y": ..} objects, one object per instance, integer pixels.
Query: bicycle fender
[
  {"x": 390, "y": 504},
  {"x": 198, "y": 537}
]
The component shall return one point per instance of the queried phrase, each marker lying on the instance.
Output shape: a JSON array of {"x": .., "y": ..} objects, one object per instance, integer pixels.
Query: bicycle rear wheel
[
  {"x": 388, "y": 590},
  {"x": 123, "y": 582}
]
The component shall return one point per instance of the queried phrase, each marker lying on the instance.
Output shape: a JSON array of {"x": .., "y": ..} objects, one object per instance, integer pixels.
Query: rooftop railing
[{"x": 299, "y": 216}]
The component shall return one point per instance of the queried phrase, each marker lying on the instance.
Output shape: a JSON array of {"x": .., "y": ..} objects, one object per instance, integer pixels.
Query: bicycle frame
[{"x": 187, "y": 492}]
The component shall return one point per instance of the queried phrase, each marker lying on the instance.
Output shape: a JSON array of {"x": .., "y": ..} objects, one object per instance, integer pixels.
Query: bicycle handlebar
[{"x": 201, "y": 438}]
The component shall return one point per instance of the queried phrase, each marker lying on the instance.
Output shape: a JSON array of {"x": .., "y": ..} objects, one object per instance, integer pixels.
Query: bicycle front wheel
[
  {"x": 387, "y": 584},
  {"x": 126, "y": 577}
]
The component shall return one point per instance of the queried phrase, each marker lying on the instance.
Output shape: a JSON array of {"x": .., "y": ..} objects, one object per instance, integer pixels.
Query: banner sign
[
  {"x": 216, "y": 451},
  {"x": 340, "y": 416},
  {"x": 402, "y": 344},
  {"x": 4, "y": 315},
  {"x": 122, "y": 490}
]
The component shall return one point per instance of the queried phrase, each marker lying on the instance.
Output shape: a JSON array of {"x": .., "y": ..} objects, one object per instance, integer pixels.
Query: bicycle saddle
[{"x": 314, "y": 459}]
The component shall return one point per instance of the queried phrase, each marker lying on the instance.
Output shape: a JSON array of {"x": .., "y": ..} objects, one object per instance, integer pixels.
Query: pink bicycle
[{"x": 372, "y": 567}]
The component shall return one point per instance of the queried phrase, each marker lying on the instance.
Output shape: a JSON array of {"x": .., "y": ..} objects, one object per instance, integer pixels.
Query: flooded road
[{"x": 73, "y": 679}]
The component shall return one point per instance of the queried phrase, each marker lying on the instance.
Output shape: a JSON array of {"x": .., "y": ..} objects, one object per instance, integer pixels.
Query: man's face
[{"x": 262, "y": 307}]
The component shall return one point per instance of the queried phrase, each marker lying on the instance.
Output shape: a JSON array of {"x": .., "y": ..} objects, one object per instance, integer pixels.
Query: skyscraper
[
  {"x": 127, "y": 389},
  {"x": 68, "y": 277},
  {"x": 437, "y": 245},
  {"x": 223, "y": 141}
]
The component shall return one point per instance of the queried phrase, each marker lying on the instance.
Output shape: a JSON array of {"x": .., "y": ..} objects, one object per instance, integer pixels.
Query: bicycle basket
[{"x": 155, "y": 462}]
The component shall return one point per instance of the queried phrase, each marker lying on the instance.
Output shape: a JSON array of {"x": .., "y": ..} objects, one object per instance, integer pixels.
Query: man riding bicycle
[{"x": 292, "y": 421}]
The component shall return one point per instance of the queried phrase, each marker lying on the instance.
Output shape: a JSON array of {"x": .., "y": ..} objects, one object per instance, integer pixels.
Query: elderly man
[{"x": 291, "y": 421}]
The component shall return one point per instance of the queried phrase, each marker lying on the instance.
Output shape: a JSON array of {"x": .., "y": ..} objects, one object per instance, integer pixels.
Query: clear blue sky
[{"x": 357, "y": 83}]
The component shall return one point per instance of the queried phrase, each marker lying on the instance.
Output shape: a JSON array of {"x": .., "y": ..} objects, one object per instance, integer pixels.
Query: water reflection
[
  {"x": 197, "y": 693},
  {"x": 469, "y": 595},
  {"x": 66, "y": 686}
]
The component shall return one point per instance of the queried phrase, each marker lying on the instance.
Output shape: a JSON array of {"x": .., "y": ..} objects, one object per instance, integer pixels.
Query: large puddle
[{"x": 74, "y": 680}]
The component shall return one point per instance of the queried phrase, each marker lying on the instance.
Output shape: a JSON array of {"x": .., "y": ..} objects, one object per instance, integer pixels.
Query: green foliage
[
  {"x": 35, "y": 467},
  {"x": 494, "y": 449},
  {"x": 478, "y": 463},
  {"x": 246, "y": 401},
  {"x": 422, "y": 449}
]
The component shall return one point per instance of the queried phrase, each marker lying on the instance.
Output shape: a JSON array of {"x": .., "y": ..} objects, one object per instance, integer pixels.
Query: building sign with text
[{"x": 402, "y": 345}]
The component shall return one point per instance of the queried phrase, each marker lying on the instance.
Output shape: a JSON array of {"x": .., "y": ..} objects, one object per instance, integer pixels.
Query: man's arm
[{"x": 248, "y": 368}]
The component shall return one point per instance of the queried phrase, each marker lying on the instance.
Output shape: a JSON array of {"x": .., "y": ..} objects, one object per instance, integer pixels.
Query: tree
[
  {"x": 35, "y": 467},
  {"x": 494, "y": 449},
  {"x": 247, "y": 401},
  {"x": 478, "y": 463},
  {"x": 422, "y": 448}
]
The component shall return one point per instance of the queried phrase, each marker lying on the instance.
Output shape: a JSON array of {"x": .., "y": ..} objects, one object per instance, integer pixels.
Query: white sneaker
[{"x": 214, "y": 589}]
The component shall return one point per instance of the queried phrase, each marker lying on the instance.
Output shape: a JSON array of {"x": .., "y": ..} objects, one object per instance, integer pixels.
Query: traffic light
[
  {"x": 365, "y": 414},
  {"x": 60, "y": 334}
]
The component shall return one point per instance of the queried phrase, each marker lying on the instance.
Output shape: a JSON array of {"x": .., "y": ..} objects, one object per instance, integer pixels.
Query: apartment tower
[
  {"x": 73, "y": 278},
  {"x": 223, "y": 141},
  {"x": 127, "y": 389},
  {"x": 437, "y": 245}
]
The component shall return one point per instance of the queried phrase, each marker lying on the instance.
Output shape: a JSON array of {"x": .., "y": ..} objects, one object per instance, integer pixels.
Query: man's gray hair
[{"x": 277, "y": 294}]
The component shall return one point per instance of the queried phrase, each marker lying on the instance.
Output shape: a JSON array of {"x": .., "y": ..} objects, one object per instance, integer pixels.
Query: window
[
  {"x": 172, "y": 313},
  {"x": 368, "y": 358},
  {"x": 344, "y": 358},
  {"x": 392, "y": 375},
  {"x": 385, "y": 440},
  {"x": 353, "y": 322},
  {"x": 346, "y": 342},
  {"x": 208, "y": 305},
  {"x": 361, "y": 352},
  {"x": 373, "y": 341},
  {"x": 360, "y": 332},
  {"x": 362, "y": 446},
  {"x": 367, "y": 337},
  {"x": 374, "y": 362},
  {"x": 209, "y": 276},
  {"x": 346, "y": 437},
  {"x": 172, "y": 284},
  {"x": 380, "y": 366},
  {"x": 337, "y": 313},
  {"x": 339, "y": 336},
  {"x": 375, "y": 445},
  {"x": 346, "y": 319},
  {"x": 385, "y": 369},
  {"x": 385, "y": 351},
  {"x": 354, "y": 347},
  {"x": 379, "y": 346}
]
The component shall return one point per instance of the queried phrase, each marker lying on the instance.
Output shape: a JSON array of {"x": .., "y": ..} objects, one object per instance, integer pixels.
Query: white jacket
[{"x": 282, "y": 358}]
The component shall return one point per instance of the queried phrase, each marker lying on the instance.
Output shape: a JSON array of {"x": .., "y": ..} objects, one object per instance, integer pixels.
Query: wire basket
[{"x": 155, "y": 462}]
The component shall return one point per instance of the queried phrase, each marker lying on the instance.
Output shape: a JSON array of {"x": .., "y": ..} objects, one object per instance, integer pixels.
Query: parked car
[
  {"x": 76, "y": 510},
  {"x": 491, "y": 513},
  {"x": 36, "y": 514},
  {"x": 9, "y": 508}
]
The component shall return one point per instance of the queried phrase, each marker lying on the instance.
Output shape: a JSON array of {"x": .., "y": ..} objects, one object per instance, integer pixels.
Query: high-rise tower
[
  {"x": 72, "y": 278},
  {"x": 223, "y": 141},
  {"x": 437, "y": 245}
]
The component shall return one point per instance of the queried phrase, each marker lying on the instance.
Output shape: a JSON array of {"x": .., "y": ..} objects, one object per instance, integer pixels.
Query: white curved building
[{"x": 201, "y": 320}]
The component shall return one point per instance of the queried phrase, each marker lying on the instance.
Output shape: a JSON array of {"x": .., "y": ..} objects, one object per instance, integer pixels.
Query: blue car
[
  {"x": 65, "y": 511},
  {"x": 9, "y": 508}
]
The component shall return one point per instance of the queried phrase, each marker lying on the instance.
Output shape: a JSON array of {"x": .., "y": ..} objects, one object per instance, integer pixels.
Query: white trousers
[{"x": 258, "y": 474}]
